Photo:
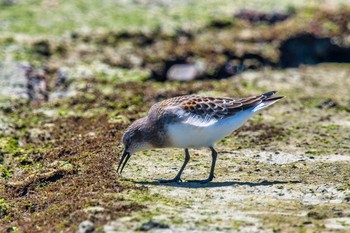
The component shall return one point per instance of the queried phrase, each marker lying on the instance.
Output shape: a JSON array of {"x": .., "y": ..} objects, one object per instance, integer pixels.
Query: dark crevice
[{"x": 310, "y": 50}]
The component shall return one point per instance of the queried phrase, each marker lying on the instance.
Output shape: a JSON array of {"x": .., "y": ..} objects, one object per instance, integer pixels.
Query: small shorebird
[{"x": 191, "y": 122}]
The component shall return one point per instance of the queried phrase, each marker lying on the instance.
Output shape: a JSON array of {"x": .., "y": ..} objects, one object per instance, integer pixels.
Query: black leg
[
  {"x": 211, "y": 175},
  {"x": 178, "y": 176},
  {"x": 187, "y": 158},
  {"x": 213, "y": 155}
]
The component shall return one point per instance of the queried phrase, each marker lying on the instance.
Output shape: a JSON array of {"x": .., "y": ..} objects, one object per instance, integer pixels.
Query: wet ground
[{"x": 286, "y": 170}]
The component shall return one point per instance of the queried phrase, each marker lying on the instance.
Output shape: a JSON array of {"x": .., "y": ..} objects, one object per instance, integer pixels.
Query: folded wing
[{"x": 203, "y": 111}]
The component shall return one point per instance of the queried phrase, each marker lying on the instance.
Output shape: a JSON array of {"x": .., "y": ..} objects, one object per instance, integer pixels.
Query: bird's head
[{"x": 135, "y": 138}]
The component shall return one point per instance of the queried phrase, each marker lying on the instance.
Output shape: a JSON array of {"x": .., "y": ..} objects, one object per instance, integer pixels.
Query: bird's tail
[{"x": 267, "y": 101}]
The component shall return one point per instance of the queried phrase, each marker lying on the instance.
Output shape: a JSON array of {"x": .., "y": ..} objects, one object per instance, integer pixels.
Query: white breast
[{"x": 192, "y": 133}]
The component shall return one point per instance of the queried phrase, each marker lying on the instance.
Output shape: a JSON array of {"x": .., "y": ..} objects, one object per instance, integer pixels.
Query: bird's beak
[{"x": 126, "y": 156}]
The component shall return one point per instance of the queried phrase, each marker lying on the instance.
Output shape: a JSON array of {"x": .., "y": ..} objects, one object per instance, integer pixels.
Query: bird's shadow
[{"x": 214, "y": 184}]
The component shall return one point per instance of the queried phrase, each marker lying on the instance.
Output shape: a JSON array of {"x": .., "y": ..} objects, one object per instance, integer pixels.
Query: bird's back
[{"x": 197, "y": 121}]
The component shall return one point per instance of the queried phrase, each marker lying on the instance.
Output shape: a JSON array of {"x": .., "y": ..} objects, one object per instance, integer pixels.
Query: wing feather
[{"x": 202, "y": 110}]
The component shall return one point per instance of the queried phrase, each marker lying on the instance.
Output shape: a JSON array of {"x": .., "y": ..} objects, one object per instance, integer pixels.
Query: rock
[
  {"x": 86, "y": 227},
  {"x": 185, "y": 72},
  {"x": 37, "y": 85},
  {"x": 23, "y": 81},
  {"x": 13, "y": 81},
  {"x": 152, "y": 225}
]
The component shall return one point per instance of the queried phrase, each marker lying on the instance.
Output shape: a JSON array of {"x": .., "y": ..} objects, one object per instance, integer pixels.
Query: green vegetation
[
  {"x": 287, "y": 169},
  {"x": 81, "y": 142},
  {"x": 36, "y": 17}
]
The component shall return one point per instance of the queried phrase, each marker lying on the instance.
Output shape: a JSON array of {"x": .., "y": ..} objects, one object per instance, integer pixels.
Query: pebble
[{"x": 86, "y": 227}]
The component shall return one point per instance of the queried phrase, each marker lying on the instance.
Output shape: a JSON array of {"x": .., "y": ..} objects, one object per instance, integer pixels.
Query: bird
[{"x": 190, "y": 121}]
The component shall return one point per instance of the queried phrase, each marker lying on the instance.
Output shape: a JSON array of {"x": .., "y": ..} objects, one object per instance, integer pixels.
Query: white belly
[{"x": 187, "y": 135}]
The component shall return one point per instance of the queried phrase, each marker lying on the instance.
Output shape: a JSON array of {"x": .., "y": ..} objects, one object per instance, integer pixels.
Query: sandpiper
[{"x": 191, "y": 122}]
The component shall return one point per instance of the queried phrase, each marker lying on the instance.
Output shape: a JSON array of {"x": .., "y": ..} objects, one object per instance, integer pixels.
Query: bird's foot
[{"x": 176, "y": 179}]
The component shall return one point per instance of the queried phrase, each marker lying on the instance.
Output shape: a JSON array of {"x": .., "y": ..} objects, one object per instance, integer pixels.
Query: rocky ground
[
  {"x": 286, "y": 170},
  {"x": 278, "y": 174}
]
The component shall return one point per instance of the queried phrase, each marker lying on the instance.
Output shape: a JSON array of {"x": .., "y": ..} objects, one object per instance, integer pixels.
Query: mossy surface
[{"x": 285, "y": 170}]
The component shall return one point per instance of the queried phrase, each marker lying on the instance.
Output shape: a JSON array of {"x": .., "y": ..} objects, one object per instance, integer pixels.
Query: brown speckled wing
[{"x": 212, "y": 107}]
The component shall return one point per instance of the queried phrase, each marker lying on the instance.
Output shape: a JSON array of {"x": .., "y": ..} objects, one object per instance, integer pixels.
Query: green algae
[
  {"x": 9, "y": 146},
  {"x": 74, "y": 168},
  {"x": 266, "y": 131},
  {"x": 3, "y": 208}
]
